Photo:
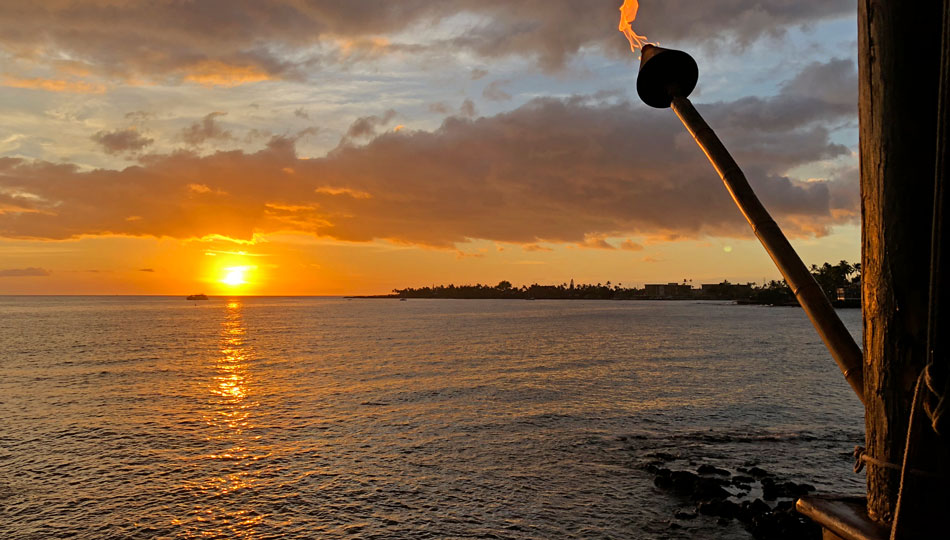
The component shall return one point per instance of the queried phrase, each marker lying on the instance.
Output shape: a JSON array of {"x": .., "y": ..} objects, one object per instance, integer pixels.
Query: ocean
[{"x": 259, "y": 418}]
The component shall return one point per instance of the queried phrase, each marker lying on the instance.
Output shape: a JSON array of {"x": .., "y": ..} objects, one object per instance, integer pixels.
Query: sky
[{"x": 319, "y": 147}]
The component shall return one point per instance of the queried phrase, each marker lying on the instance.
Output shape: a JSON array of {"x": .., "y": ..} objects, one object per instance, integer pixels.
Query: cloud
[
  {"x": 121, "y": 140},
  {"x": 630, "y": 245},
  {"x": 573, "y": 171},
  {"x": 146, "y": 269},
  {"x": 223, "y": 73},
  {"x": 467, "y": 109},
  {"x": 834, "y": 82},
  {"x": 54, "y": 85},
  {"x": 228, "y": 42},
  {"x": 24, "y": 272},
  {"x": 366, "y": 126},
  {"x": 139, "y": 116},
  {"x": 494, "y": 92},
  {"x": 206, "y": 129},
  {"x": 439, "y": 108}
]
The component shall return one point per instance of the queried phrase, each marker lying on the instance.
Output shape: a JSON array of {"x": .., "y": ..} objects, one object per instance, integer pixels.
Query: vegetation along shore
[{"x": 841, "y": 283}]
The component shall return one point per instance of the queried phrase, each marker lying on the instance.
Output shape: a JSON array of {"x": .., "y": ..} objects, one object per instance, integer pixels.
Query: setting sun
[{"x": 235, "y": 276}]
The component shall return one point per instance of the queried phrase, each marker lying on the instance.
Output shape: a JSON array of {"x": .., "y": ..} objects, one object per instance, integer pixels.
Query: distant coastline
[{"x": 841, "y": 283}]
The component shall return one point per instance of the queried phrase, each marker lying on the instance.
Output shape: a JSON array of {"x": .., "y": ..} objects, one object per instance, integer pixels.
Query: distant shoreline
[{"x": 840, "y": 304}]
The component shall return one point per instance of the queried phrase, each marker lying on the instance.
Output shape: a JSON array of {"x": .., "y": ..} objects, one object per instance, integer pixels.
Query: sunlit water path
[{"x": 321, "y": 418}]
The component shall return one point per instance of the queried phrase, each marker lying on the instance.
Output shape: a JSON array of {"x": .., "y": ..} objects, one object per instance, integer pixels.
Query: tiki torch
[{"x": 666, "y": 79}]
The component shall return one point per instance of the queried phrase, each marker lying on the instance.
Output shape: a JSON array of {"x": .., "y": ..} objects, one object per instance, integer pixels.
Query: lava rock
[
  {"x": 758, "y": 473},
  {"x": 724, "y": 509},
  {"x": 772, "y": 490},
  {"x": 663, "y": 479},
  {"x": 707, "y": 489},
  {"x": 784, "y": 526},
  {"x": 759, "y": 507},
  {"x": 711, "y": 469},
  {"x": 785, "y": 506},
  {"x": 684, "y": 482},
  {"x": 740, "y": 479},
  {"x": 685, "y": 515}
]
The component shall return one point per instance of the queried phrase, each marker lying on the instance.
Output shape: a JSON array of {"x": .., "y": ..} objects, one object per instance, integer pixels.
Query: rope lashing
[
  {"x": 937, "y": 413},
  {"x": 861, "y": 457}
]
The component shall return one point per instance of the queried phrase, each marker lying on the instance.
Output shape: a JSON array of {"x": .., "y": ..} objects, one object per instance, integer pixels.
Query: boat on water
[{"x": 197, "y": 297}]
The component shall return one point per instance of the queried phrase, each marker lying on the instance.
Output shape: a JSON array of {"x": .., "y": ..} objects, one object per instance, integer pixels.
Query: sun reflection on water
[{"x": 232, "y": 451}]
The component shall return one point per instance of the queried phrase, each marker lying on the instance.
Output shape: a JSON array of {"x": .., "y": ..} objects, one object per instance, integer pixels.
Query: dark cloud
[
  {"x": 146, "y": 269},
  {"x": 235, "y": 41},
  {"x": 24, "y": 272},
  {"x": 575, "y": 170},
  {"x": 366, "y": 126},
  {"x": 300, "y": 113},
  {"x": 834, "y": 82},
  {"x": 206, "y": 129},
  {"x": 122, "y": 140}
]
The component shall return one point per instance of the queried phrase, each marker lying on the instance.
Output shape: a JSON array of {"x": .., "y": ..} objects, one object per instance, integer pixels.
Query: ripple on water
[{"x": 303, "y": 418}]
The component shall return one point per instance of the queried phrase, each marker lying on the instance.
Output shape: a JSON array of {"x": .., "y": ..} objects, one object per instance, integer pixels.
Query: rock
[
  {"x": 663, "y": 479},
  {"x": 758, "y": 473},
  {"x": 706, "y": 489},
  {"x": 730, "y": 510},
  {"x": 784, "y": 526},
  {"x": 724, "y": 509},
  {"x": 684, "y": 482},
  {"x": 710, "y": 508},
  {"x": 759, "y": 507},
  {"x": 785, "y": 506},
  {"x": 770, "y": 490},
  {"x": 740, "y": 479},
  {"x": 685, "y": 515},
  {"x": 711, "y": 469}
]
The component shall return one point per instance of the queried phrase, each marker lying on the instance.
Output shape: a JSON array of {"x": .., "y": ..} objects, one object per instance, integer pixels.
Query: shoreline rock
[{"x": 718, "y": 493}]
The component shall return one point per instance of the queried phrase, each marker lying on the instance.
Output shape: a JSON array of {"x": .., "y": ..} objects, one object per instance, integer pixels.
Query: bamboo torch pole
[{"x": 666, "y": 79}]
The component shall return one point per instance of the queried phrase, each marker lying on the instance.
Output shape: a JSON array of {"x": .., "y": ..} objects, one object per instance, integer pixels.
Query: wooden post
[
  {"x": 899, "y": 51},
  {"x": 924, "y": 498}
]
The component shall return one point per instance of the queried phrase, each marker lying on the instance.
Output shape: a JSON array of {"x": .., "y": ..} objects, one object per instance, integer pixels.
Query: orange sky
[{"x": 321, "y": 149}]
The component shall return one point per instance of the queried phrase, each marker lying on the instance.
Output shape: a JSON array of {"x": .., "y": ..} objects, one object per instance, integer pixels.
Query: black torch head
[{"x": 665, "y": 73}]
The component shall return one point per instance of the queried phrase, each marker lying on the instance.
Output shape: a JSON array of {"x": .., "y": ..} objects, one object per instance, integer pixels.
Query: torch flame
[{"x": 628, "y": 13}]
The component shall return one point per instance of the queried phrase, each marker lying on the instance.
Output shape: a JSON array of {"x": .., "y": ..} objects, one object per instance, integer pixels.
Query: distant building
[
  {"x": 851, "y": 292},
  {"x": 668, "y": 290},
  {"x": 725, "y": 291}
]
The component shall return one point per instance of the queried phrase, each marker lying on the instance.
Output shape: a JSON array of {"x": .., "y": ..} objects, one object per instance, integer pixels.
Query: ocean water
[{"x": 154, "y": 417}]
